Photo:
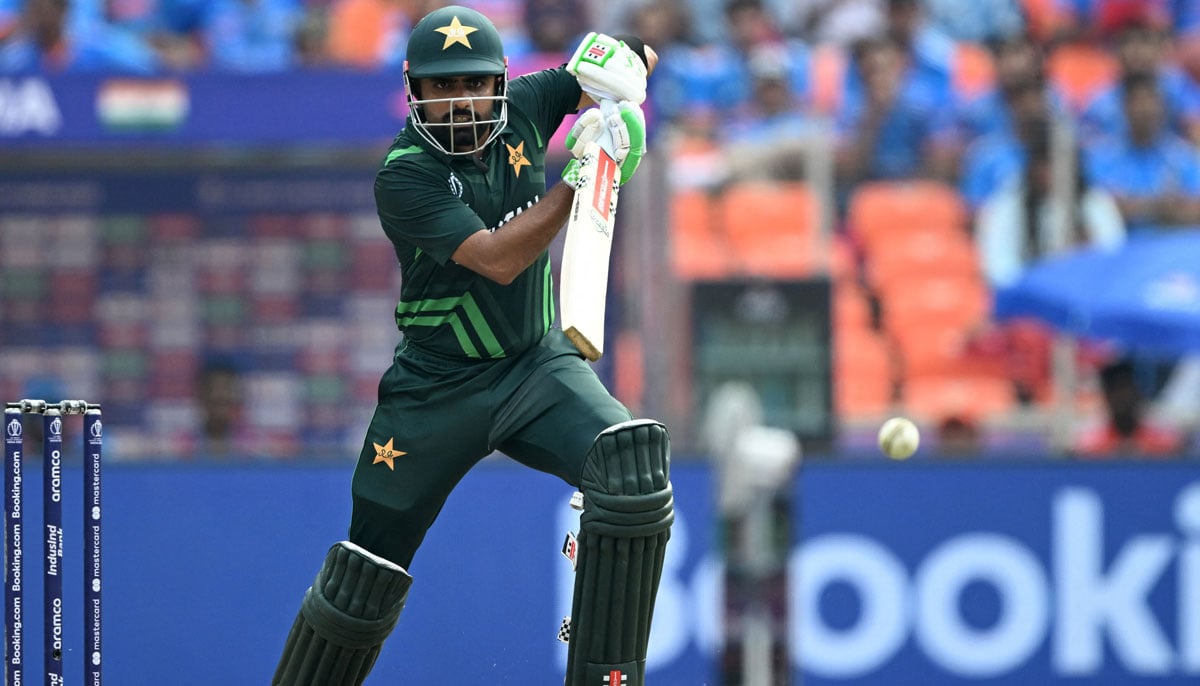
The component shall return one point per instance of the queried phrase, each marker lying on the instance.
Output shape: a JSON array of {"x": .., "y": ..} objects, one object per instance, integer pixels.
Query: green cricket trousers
[{"x": 436, "y": 418}]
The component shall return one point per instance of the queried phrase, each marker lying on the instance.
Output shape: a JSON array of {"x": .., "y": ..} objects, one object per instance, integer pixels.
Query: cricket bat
[{"x": 586, "y": 250}]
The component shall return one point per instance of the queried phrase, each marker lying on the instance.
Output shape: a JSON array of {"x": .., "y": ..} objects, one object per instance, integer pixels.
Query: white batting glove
[
  {"x": 585, "y": 130},
  {"x": 607, "y": 69},
  {"x": 619, "y": 129}
]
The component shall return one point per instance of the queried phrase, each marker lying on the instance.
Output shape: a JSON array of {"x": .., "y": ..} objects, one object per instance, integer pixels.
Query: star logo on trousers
[{"x": 386, "y": 453}]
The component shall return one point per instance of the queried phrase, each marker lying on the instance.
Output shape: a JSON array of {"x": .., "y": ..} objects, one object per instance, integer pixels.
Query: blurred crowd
[
  {"x": 1055, "y": 123},
  {"x": 250, "y": 36}
]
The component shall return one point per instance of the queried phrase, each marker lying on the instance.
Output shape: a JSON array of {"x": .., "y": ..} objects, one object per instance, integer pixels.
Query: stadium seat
[
  {"x": 932, "y": 398},
  {"x": 770, "y": 227},
  {"x": 943, "y": 348},
  {"x": 972, "y": 71},
  {"x": 882, "y": 211},
  {"x": 934, "y": 300},
  {"x": 1081, "y": 70},
  {"x": 936, "y": 348},
  {"x": 697, "y": 250},
  {"x": 851, "y": 308},
  {"x": 863, "y": 375},
  {"x": 922, "y": 250}
]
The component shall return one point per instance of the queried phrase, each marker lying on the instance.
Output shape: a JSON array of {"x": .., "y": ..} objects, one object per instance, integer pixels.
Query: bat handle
[{"x": 608, "y": 108}]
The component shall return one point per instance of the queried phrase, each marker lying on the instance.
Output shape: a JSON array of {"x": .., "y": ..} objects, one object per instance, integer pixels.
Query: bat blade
[{"x": 586, "y": 252}]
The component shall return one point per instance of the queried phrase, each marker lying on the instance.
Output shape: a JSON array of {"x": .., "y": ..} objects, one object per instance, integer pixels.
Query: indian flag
[{"x": 142, "y": 105}]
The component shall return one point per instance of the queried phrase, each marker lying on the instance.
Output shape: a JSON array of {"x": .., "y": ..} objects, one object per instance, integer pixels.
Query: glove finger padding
[
  {"x": 619, "y": 139},
  {"x": 607, "y": 69},
  {"x": 634, "y": 123},
  {"x": 585, "y": 130},
  {"x": 618, "y": 128}
]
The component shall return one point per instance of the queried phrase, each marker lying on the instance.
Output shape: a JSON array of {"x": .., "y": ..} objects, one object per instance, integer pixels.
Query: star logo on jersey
[
  {"x": 386, "y": 453},
  {"x": 516, "y": 157},
  {"x": 455, "y": 32}
]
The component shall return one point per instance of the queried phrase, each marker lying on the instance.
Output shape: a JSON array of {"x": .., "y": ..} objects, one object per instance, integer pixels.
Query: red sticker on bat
[{"x": 606, "y": 171}]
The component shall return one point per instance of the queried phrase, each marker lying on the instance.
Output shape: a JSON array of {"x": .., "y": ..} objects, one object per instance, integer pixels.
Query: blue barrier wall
[{"x": 913, "y": 573}]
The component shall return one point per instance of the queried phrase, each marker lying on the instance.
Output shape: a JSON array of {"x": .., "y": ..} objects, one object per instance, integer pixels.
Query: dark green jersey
[{"x": 429, "y": 203}]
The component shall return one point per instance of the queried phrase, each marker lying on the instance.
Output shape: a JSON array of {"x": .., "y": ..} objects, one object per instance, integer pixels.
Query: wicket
[{"x": 52, "y": 538}]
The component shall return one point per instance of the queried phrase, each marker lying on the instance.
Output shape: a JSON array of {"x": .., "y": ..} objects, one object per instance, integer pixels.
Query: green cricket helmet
[{"x": 452, "y": 42}]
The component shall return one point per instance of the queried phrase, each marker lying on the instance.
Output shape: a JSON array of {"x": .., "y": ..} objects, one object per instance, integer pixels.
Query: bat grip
[{"x": 608, "y": 108}]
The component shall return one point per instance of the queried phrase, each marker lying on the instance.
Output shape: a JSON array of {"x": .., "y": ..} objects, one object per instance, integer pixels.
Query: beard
[{"x": 465, "y": 133}]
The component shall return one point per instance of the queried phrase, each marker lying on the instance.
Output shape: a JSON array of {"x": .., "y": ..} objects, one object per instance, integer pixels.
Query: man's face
[
  {"x": 1146, "y": 114},
  {"x": 1140, "y": 50},
  {"x": 882, "y": 67},
  {"x": 1016, "y": 62},
  {"x": 457, "y": 108}
]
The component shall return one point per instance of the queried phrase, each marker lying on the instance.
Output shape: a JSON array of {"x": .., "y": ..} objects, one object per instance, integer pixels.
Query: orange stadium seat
[
  {"x": 851, "y": 309},
  {"x": 884, "y": 210},
  {"x": 933, "y": 348},
  {"x": 862, "y": 373},
  {"x": 931, "y": 398},
  {"x": 770, "y": 227},
  {"x": 697, "y": 250},
  {"x": 943, "y": 348},
  {"x": 922, "y": 250},
  {"x": 1081, "y": 70},
  {"x": 972, "y": 71},
  {"x": 924, "y": 300}
]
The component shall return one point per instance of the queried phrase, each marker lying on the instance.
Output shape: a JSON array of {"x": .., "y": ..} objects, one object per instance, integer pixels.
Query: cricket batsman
[{"x": 462, "y": 194}]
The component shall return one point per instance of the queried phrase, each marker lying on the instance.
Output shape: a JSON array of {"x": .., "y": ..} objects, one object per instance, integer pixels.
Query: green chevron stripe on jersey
[
  {"x": 401, "y": 152},
  {"x": 446, "y": 311},
  {"x": 548, "y": 298}
]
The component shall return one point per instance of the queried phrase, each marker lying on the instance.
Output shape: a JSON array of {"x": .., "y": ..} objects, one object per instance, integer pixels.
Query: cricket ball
[{"x": 899, "y": 438}]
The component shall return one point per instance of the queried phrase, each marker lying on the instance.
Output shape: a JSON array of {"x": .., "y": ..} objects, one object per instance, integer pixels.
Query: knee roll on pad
[
  {"x": 627, "y": 515},
  {"x": 346, "y": 614}
]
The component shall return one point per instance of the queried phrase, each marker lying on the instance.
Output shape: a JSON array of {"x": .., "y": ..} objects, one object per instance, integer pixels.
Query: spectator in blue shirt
[
  {"x": 994, "y": 158},
  {"x": 898, "y": 126},
  {"x": 42, "y": 42},
  {"x": 765, "y": 139},
  {"x": 978, "y": 21},
  {"x": 252, "y": 35},
  {"x": 931, "y": 51},
  {"x": 1142, "y": 49},
  {"x": 1023, "y": 220},
  {"x": 1153, "y": 174},
  {"x": 752, "y": 29},
  {"x": 1018, "y": 60}
]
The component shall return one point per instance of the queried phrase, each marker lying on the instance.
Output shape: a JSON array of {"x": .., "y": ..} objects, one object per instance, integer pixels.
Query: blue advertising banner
[
  {"x": 331, "y": 108},
  {"x": 999, "y": 574},
  {"x": 312, "y": 108},
  {"x": 906, "y": 574}
]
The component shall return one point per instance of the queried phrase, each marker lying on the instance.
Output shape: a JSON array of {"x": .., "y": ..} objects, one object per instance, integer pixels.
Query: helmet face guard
[
  {"x": 453, "y": 42},
  {"x": 489, "y": 115}
]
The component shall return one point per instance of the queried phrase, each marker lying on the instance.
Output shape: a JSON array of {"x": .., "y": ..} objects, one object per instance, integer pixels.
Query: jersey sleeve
[
  {"x": 417, "y": 207},
  {"x": 546, "y": 97}
]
